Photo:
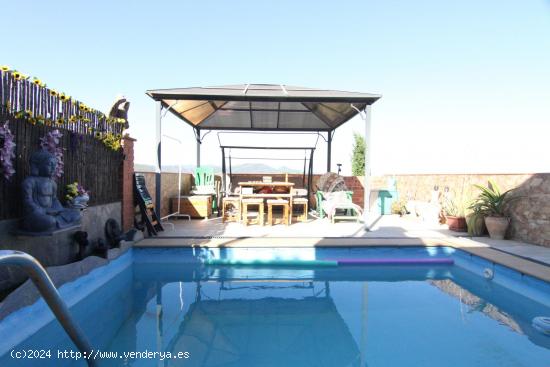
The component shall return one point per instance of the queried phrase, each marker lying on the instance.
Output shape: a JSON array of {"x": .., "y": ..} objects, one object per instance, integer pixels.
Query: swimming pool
[{"x": 165, "y": 300}]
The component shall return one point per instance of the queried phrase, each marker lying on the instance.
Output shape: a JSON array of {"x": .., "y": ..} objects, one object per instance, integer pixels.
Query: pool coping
[{"x": 523, "y": 265}]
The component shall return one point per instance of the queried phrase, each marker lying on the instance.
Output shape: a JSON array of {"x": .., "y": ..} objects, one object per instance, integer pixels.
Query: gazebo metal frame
[{"x": 264, "y": 107}]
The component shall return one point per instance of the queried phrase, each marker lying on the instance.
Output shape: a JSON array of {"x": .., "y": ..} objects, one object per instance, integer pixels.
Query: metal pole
[
  {"x": 159, "y": 157},
  {"x": 47, "y": 289},
  {"x": 329, "y": 150},
  {"x": 224, "y": 183},
  {"x": 198, "y": 147},
  {"x": 310, "y": 178},
  {"x": 368, "y": 150},
  {"x": 178, "y": 213}
]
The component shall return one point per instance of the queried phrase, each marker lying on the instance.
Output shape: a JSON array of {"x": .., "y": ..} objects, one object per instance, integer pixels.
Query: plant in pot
[
  {"x": 475, "y": 221},
  {"x": 77, "y": 197},
  {"x": 491, "y": 204},
  {"x": 455, "y": 213}
]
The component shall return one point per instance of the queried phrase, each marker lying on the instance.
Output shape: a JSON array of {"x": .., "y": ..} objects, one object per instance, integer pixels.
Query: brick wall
[{"x": 355, "y": 184}]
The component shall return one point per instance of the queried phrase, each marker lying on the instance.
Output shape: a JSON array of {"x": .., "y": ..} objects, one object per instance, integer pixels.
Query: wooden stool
[
  {"x": 244, "y": 208},
  {"x": 277, "y": 202},
  {"x": 231, "y": 209},
  {"x": 303, "y": 202}
]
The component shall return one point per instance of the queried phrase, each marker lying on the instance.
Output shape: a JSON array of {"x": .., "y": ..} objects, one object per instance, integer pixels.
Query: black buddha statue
[{"x": 43, "y": 213}]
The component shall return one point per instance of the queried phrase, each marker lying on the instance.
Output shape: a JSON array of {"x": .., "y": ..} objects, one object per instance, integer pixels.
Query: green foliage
[
  {"x": 399, "y": 207},
  {"x": 71, "y": 191},
  {"x": 476, "y": 225},
  {"x": 358, "y": 155},
  {"x": 454, "y": 208},
  {"x": 490, "y": 202},
  {"x": 455, "y": 203}
]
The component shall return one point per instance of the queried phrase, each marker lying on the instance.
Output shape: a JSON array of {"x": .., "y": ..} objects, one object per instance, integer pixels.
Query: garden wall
[
  {"x": 169, "y": 189},
  {"x": 90, "y": 141},
  {"x": 86, "y": 160},
  {"x": 91, "y": 154},
  {"x": 530, "y": 214}
]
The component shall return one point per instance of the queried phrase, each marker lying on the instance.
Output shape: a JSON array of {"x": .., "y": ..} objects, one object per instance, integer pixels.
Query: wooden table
[{"x": 258, "y": 185}]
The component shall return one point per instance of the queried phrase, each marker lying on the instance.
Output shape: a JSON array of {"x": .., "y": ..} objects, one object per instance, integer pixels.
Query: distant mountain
[{"x": 240, "y": 168}]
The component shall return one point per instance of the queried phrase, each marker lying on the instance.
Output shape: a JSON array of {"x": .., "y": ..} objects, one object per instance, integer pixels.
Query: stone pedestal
[{"x": 57, "y": 248}]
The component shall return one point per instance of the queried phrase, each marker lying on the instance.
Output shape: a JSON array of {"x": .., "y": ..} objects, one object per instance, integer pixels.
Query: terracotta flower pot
[
  {"x": 497, "y": 226},
  {"x": 457, "y": 224}
]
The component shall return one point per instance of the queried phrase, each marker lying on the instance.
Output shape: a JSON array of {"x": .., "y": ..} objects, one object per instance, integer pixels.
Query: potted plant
[
  {"x": 491, "y": 204},
  {"x": 455, "y": 215},
  {"x": 475, "y": 221},
  {"x": 77, "y": 197}
]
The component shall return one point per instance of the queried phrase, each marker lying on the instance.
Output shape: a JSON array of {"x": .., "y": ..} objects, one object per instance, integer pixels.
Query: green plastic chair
[
  {"x": 320, "y": 196},
  {"x": 205, "y": 180},
  {"x": 204, "y": 177}
]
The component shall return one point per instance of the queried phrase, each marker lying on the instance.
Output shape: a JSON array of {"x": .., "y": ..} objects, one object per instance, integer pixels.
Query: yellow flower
[
  {"x": 38, "y": 82},
  {"x": 98, "y": 135},
  {"x": 60, "y": 121},
  {"x": 53, "y": 92},
  {"x": 5, "y": 68},
  {"x": 17, "y": 75},
  {"x": 28, "y": 113},
  {"x": 63, "y": 97},
  {"x": 72, "y": 118}
]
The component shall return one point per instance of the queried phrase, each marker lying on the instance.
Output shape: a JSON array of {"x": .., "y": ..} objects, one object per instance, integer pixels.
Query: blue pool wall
[{"x": 100, "y": 301}]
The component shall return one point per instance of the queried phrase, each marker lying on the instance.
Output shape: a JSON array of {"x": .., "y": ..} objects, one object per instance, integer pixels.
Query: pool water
[{"x": 164, "y": 300}]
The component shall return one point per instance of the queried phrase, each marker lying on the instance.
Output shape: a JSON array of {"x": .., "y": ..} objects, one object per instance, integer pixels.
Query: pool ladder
[{"x": 47, "y": 289}]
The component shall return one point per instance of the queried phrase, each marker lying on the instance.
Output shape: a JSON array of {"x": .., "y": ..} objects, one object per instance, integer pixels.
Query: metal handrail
[{"x": 47, "y": 289}]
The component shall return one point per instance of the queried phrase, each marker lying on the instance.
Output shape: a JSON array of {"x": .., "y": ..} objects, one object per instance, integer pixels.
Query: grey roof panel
[{"x": 263, "y": 106}]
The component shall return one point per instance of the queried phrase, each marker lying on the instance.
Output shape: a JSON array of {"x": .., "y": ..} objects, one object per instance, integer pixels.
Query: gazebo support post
[
  {"x": 158, "y": 122},
  {"x": 224, "y": 187},
  {"x": 368, "y": 149},
  {"x": 310, "y": 178},
  {"x": 329, "y": 150},
  {"x": 198, "y": 138}
]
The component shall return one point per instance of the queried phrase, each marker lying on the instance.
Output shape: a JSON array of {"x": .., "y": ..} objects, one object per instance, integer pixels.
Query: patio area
[{"x": 387, "y": 226}]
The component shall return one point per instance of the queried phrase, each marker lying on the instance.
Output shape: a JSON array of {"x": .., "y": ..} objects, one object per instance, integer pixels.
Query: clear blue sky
[{"x": 465, "y": 84}]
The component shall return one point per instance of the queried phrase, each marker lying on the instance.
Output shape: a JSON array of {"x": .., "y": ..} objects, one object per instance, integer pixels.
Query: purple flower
[
  {"x": 49, "y": 143},
  {"x": 7, "y": 151},
  {"x": 81, "y": 190}
]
